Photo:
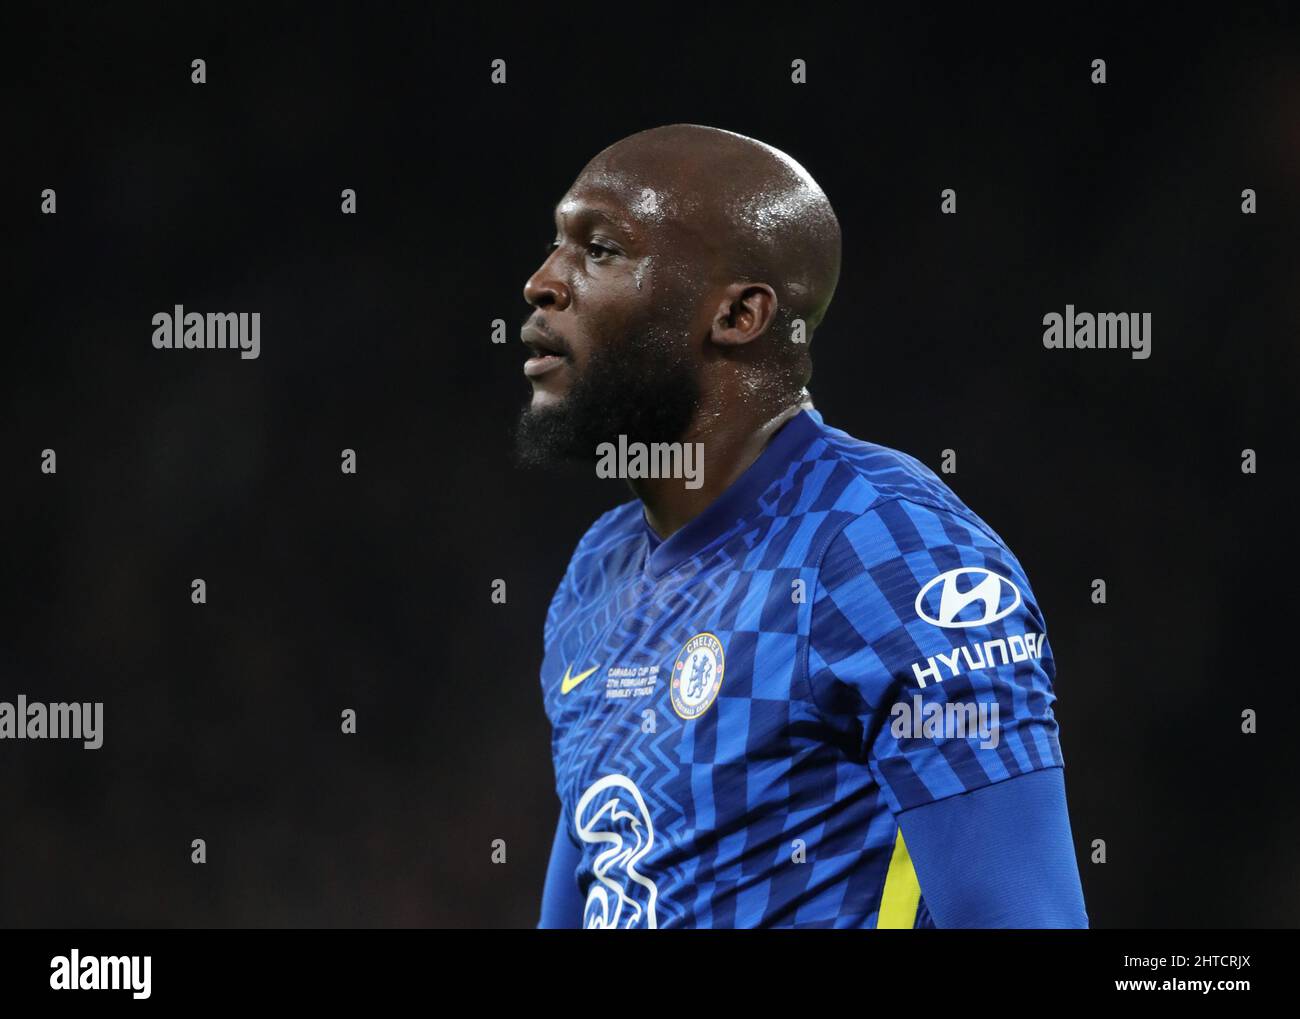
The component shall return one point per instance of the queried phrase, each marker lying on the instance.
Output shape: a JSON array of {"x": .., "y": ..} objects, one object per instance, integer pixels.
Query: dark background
[{"x": 328, "y": 591}]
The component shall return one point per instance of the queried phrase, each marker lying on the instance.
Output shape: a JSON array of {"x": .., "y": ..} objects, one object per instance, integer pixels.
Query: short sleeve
[{"x": 928, "y": 649}]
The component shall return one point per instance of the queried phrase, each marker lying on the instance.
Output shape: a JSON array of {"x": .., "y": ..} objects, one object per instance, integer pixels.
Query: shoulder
[
  {"x": 884, "y": 485},
  {"x": 608, "y": 540},
  {"x": 908, "y": 551},
  {"x": 621, "y": 521},
  {"x": 605, "y": 549}
]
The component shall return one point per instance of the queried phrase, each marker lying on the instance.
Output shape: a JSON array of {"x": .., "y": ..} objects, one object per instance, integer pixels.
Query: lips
[
  {"x": 541, "y": 342},
  {"x": 536, "y": 366},
  {"x": 547, "y": 351}
]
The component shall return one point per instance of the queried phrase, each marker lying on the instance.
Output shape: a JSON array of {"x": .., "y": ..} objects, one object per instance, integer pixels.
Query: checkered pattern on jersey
[
  {"x": 776, "y": 806},
  {"x": 868, "y": 643}
]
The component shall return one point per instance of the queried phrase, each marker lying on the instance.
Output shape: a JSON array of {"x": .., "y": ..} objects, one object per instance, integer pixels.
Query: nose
[{"x": 545, "y": 289}]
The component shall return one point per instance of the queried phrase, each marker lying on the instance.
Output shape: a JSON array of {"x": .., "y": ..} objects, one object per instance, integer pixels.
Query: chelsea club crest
[{"x": 697, "y": 676}]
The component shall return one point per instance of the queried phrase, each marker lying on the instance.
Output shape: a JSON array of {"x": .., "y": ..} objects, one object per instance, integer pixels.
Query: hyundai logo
[{"x": 960, "y": 589}]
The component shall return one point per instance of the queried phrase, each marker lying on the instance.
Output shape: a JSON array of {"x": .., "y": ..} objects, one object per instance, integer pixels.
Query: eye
[{"x": 598, "y": 251}]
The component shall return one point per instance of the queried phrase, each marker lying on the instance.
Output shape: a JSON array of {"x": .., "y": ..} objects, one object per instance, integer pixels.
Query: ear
[{"x": 743, "y": 315}]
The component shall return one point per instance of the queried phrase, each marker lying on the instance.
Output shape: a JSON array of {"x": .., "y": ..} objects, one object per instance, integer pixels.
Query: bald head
[
  {"x": 744, "y": 208},
  {"x": 666, "y": 303}
]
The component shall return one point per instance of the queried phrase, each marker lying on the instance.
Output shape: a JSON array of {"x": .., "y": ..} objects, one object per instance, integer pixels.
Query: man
[{"x": 770, "y": 682}]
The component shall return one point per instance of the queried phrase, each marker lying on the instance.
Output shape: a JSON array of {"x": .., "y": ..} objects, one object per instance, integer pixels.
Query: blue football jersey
[{"x": 740, "y": 712}]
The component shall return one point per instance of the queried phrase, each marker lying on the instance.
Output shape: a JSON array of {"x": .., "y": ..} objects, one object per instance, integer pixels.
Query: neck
[{"x": 729, "y": 447}]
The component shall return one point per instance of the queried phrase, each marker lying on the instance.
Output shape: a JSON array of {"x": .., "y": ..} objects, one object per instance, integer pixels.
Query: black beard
[{"x": 644, "y": 388}]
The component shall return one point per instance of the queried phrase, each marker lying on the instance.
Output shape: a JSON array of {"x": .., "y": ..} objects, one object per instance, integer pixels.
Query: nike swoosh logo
[{"x": 569, "y": 682}]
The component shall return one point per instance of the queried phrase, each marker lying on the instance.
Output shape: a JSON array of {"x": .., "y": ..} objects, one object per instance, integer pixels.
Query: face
[{"x": 615, "y": 307}]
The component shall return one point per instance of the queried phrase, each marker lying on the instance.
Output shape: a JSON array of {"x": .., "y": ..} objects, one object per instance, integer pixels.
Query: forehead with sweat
[{"x": 726, "y": 206}]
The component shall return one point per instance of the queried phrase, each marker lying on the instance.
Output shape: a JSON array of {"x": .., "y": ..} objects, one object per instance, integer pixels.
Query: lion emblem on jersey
[{"x": 697, "y": 676}]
